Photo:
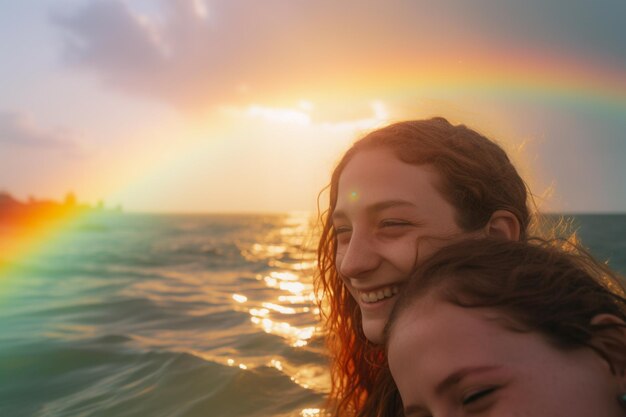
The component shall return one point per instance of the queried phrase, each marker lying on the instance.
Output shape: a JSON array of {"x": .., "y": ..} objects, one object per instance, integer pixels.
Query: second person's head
[{"x": 497, "y": 328}]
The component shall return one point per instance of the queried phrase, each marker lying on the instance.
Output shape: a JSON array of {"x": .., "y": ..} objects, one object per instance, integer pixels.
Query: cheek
[
  {"x": 338, "y": 261},
  {"x": 402, "y": 252},
  {"x": 403, "y": 257},
  {"x": 426, "y": 249},
  {"x": 405, "y": 371},
  {"x": 398, "y": 372},
  {"x": 339, "y": 254}
]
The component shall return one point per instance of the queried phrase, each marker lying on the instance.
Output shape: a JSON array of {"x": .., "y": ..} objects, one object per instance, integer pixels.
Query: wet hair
[
  {"x": 540, "y": 286},
  {"x": 476, "y": 178}
]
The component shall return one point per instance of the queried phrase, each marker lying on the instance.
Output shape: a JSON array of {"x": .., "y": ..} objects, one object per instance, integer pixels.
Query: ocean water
[{"x": 146, "y": 315}]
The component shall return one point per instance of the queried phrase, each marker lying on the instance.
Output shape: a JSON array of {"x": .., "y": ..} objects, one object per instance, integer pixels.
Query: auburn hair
[{"x": 477, "y": 178}]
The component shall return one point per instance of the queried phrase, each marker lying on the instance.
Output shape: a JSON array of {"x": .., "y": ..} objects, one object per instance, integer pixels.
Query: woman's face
[
  {"x": 383, "y": 207},
  {"x": 452, "y": 361}
]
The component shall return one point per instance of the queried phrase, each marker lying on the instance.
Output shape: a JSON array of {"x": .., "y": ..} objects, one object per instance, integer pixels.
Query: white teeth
[{"x": 374, "y": 296}]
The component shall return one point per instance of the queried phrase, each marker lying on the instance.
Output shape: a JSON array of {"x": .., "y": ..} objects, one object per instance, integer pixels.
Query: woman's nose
[{"x": 360, "y": 257}]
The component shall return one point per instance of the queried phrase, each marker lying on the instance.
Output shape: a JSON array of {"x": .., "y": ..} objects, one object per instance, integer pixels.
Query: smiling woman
[
  {"x": 397, "y": 195},
  {"x": 396, "y": 204}
]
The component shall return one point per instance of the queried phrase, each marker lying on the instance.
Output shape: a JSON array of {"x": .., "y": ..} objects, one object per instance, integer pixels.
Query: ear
[
  {"x": 609, "y": 337},
  {"x": 503, "y": 224}
]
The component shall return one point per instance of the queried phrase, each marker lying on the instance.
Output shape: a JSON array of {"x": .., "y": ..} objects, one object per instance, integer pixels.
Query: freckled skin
[
  {"x": 379, "y": 247},
  {"x": 434, "y": 339}
]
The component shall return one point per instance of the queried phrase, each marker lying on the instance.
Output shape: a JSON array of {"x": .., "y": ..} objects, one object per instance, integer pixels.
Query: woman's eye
[
  {"x": 392, "y": 223},
  {"x": 341, "y": 229},
  {"x": 342, "y": 234},
  {"x": 477, "y": 395}
]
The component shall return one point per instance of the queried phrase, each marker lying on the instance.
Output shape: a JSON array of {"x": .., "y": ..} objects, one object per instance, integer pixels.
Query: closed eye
[
  {"x": 393, "y": 223},
  {"x": 477, "y": 395}
]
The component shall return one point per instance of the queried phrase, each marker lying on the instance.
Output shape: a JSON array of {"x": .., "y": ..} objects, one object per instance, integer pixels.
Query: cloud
[
  {"x": 194, "y": 54},
  {"x": 20, "y": 130}
]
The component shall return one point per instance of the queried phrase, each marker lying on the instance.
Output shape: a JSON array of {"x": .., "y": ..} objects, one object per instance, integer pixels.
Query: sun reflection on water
[
  {"x": 300, "y": 266},
  {"x": 279, "y": 308},
  {"x": 240, "y": 298},
  {"x": 259, "y": 312},
  {"x": 261, "y": 250},
  {"x": 297, "y": 299},
  {"x": 310, "y": 412},
  {"x": 276, "y": 364},
  {"x": 284, "y": 275},
  {"x": 284, "y": 304},
  {"x": 298, "y": 336}
]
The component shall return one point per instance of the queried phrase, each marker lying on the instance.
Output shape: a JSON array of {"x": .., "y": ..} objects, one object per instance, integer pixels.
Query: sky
[{"x": 245, "y": 106}]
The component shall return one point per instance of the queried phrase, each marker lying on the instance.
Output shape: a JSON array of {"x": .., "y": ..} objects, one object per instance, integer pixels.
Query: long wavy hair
[{"x": 477, "y": 178}]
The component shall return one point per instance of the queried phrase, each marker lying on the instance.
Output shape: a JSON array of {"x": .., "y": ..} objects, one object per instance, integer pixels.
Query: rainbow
[
  {"x": 25, "y": 236},
  {"x": 533, "y": 75},
  {"x": 510, "y": 75}
]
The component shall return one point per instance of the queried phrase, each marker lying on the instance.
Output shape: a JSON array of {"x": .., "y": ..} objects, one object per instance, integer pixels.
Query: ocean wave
[{"x": 100, "y": 379}]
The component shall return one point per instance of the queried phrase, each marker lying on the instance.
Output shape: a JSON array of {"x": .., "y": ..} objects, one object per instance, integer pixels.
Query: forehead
[
  {"x": 449, "y": 335},
  {"x": 432, "y": 326},
  {"x": 378, "y": 174}
]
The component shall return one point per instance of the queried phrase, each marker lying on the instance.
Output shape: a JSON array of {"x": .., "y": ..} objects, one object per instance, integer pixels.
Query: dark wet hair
[{"x": 551, "y": 287}]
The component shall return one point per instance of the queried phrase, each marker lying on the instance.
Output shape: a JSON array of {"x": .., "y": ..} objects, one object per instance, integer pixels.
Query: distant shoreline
[{"x": 36, "y": 213}]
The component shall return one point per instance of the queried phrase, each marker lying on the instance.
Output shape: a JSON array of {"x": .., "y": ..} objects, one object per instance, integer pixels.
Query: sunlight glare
[
  {"x": 296, "y": 299},
  {"x": 276, "y": 364},
  {"x": 240, "y": 298},
  {"x": 298, "y": 336},
  {"x": 259, "y": 312},
  {"x": 292, "y": 287},
  {"x": 284, "y": 276},
  {"x": 279, "y": 308}
]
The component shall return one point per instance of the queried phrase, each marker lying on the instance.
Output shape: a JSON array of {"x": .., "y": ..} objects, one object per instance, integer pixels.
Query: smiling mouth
[{"x": 378, "y": 295}]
